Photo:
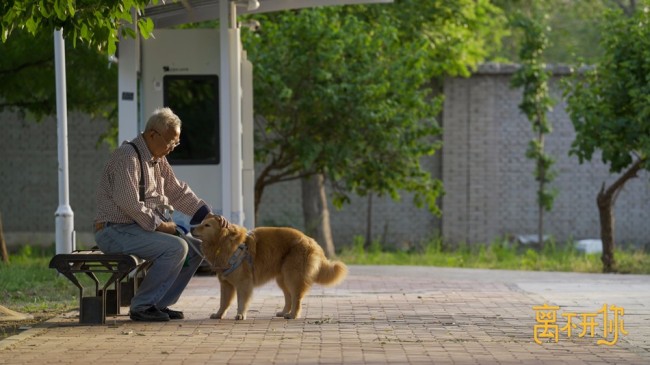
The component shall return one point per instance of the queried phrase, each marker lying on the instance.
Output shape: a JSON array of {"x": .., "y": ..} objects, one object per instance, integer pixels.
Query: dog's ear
[
  {"x": 237, "y": 234},
  {"x": 215, "y": 222}
]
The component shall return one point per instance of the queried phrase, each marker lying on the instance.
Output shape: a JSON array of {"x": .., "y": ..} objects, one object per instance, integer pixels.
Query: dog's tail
[{"x": 331, "y": 272}]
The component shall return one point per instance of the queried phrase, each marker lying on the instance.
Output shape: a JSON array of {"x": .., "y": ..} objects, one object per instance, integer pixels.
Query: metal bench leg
[{"x": 90, "y": 308}]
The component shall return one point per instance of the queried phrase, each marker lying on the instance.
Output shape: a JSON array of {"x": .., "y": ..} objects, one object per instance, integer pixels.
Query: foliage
[
  {"x": 27, "y": 77},
  {"x": 456, "y": 35},
  {"x": 609, "y": 108},
  {"x": 93, "y": 22},
  {"x": 574, "y": 24},
  {"x": 27, "y": 57},
  {"x": 532, "y": 75},
  {"x": 345, "y": 91},
  {"x": 536, "y": 102},
  {"x": 608, "y": 104}
]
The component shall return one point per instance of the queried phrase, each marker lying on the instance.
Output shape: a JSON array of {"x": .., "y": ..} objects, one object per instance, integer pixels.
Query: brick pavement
[{"x": 378, "y": 315}]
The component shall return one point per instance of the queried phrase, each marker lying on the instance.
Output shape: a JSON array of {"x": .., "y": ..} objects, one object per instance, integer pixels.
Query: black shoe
[
  {"x": 173, "y": 314},
  {"x": 151, "y": 314}
]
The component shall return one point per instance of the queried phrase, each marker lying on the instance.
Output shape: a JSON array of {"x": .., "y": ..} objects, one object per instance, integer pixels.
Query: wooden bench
[{"x": 93, "y": 309}]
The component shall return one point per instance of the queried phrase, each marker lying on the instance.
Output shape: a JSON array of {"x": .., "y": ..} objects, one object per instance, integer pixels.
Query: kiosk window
[{"x": 195, "y": 99}]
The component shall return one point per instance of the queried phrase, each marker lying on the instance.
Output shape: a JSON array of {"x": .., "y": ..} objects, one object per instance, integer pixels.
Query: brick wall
[
  {"x": 398, "y": 224},
  {"x": 490, "y": 186},
  {"x": 29, "y": 177}
]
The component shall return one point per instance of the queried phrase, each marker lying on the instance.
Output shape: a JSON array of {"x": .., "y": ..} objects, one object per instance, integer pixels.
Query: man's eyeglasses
[{"x": 171, "y": 144}]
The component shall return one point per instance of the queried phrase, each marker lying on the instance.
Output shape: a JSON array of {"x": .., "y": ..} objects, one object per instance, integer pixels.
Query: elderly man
[{"x": 137, "y": 181}]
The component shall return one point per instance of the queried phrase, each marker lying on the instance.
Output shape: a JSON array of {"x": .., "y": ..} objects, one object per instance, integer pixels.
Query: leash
[{"x": 165, "y": 211}]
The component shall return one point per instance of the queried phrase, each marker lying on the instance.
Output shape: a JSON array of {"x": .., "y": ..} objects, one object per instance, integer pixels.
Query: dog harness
[{"x": 237, "y": 258}]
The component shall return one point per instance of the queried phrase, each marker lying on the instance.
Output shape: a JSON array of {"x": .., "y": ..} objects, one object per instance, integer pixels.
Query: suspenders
[{"x": 141, "y": 182}]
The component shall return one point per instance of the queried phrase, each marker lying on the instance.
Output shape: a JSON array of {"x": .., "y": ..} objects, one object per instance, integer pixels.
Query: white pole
[
  {"x": 248, "y": 164},
  {"x": 237, "y": 215},
  {"x": 64, "y": 217},
  {"x": 127, "y": 84},
  {"x": 224, "y": 108}
]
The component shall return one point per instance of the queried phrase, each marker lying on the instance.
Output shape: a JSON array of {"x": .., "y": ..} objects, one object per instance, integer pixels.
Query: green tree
[
  {"x": 532, "y": 76},
  {"x": 609, "y": 107},
  {"x": 94, "y": 22},
  {"x": 347, "y": 93},
  {"x": 574, "y": 25},
  {"x": 27, "y": 55},
  {"x": 27, "y": 77}
]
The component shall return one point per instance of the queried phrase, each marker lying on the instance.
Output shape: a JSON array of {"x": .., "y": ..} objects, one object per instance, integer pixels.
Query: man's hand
[
  {"x": 167, "y": 227},
  {"x": 222, "y": 221}
]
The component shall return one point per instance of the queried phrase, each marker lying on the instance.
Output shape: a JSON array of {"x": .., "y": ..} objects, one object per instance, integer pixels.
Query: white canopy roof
[{"x": 191, "y": 11}]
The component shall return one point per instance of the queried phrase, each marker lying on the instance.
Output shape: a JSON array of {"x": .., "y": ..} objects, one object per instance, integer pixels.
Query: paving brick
[{"x": 379, "y": 315}]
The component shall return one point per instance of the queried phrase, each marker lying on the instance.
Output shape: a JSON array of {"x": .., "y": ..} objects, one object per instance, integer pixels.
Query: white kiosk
[{"x": 180, "y": 69}]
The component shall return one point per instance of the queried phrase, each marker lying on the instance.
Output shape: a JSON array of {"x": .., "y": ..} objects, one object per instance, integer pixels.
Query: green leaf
[
  {"x": 59, "y": 9},
  {"x": 71, "y": 8},
  {"x": 112, "y": 46},
  {"x": 129, "y": 32},
  {"x": 44, "y": 9},
  {"x": 145, "y": 25},
  {"x": 31, "y": 25},
  {"x": 84, "y": 32}
]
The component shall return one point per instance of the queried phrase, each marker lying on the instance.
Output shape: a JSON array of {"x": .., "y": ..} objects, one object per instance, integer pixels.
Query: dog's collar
[{"x": 237, "y": 258}]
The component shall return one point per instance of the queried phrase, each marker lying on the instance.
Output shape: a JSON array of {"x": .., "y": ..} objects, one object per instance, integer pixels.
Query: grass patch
[
  {"x": 28, "y": 285},
  {"x": 499, "y": 254}
]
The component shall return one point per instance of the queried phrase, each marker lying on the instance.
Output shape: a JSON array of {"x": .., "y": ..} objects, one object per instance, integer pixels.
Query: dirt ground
[
  {"x": 12, "y": 323},
  {"x": 13, "y": 327}
]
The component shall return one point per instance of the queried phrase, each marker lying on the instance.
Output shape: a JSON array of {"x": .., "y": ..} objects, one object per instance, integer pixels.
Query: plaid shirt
[{"x": 117, "y": 193}]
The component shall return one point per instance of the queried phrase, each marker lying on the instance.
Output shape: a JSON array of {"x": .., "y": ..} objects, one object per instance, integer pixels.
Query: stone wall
[
  {"x": 489, "y": 184},
  {"x": 398, "y": 224},
  {"x": 29, "y": 175},
  {"x": 490, "y": 187}
]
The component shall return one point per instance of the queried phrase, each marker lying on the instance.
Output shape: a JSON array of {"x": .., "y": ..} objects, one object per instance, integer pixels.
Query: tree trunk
[
  {"x": 540, "y": 228},
  {"x": 605, "y": 210},
  {"x": 369, "y": 223},
  {"x": 316, "y": 213},
  {"x": 259, "y": 190},
  {"x": 542, "y": 178},
  {"x": 606, "y": 200},
  {"x": 3, "y": 244}
]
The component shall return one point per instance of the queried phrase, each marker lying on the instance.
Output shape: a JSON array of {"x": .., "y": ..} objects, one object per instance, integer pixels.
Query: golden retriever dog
[{"x": 246, "y": 259}]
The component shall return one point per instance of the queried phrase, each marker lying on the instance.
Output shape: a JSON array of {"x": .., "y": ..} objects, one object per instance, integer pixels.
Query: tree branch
[
  {"x": 620, "y": 182},
  {"x": 628, "y": 10},
  {"x": 38, "y": 63},
  {"x": 26, "y": 104}
]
